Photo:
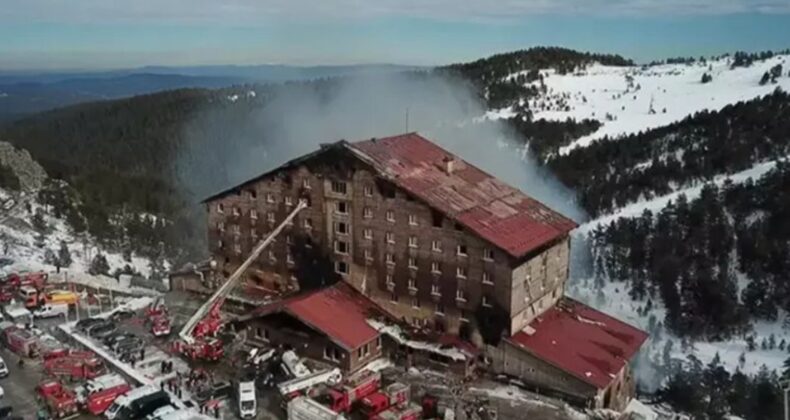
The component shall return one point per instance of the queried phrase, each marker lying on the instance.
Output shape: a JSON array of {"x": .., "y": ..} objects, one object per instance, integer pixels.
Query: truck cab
[{"x": 51, "y": 311}]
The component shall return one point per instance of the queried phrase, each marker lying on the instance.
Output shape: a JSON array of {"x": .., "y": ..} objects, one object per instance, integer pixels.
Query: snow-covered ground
[
  {"x": 18, "y": 243},
  {"x": 627, "y": 94}
]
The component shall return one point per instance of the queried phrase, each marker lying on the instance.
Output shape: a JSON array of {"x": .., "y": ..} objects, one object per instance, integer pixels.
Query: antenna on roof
[{"x": 407, "y": 119}]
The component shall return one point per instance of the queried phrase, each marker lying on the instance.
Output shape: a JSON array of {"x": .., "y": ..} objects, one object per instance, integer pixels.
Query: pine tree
[
  {"x": 706, "y": 78},
  {"x": 765, "y": 79},
  {"x": 99, "y": 265},
  {"x": 64, "y": 255},
  {"x": 782, "y": 344},
  {"x": 771, "y": 342}
]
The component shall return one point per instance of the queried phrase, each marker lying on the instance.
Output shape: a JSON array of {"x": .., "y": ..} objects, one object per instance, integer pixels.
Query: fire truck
[
  {"x": 395, "y": 394},
  {"x": 160, "y": 325},
  {"x": 21, "y": 341},
  {"x": 59, "y": 401},
  {"x": 36, "y": 279},
  {"x": 98, "y": 402},
  {"x": 342, "y": 398},
  {"x": 197, "y": 337},
  {"x": 75, "y": 365},
  {"x": 404, "y": 412},
  {"x": 297, "y": 386}
]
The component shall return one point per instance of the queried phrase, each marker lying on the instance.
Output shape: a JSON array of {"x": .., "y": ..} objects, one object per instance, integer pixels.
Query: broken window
[
  {"x": 341, "y": 207},
  {"x": 436, "y": 218},
  {"x": 220, "y": 208},
  {"x": 338, "y": 187},
  {"x": 341, "y": 247},
  {"x": 253, "y": 195},
  {"x": 341, "y": 267},
  {"x": 461, "y": 250},
  {"x": 341, "y": 228},
  {"x": 488, "y": 254}
]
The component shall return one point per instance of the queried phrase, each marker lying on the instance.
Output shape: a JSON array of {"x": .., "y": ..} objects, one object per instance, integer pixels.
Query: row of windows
[
  {"x": 460, "y": 293},
  {"x": 340, "y": 187},
  {"x": 236, "y": 211},
  {"x": 306, "y": 223},
  {"x": 439, "y": 308}
]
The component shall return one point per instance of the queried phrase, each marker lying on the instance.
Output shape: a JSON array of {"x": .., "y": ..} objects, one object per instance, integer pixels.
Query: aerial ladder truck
[{"x": 197, "y": 339}]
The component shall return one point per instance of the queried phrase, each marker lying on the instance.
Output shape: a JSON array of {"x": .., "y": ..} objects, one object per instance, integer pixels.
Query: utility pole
[
  {"x": 407, "y": 119},
  {"x": 785, "y": 389}
]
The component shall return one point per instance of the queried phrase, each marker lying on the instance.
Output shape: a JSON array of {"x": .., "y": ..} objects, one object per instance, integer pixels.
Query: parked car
[
  {"x": 85, "y": 324},
  {"x": 218, "y": 390},
  {"x": 129, "y": 346},
  {"x": 122, "y": 314},
  {"x": 3, "y": 368},
  {"x": 111, "y": 339},
  {"x": 103, "y": 331},
  {"x": 102, "y": 323}
]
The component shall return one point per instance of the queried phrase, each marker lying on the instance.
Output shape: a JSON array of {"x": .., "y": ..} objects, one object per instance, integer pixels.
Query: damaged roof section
[
  {"x": 497, "y": 212},
  {"x": 338, "y": 311},
  {"x": 586, "y": 343}
]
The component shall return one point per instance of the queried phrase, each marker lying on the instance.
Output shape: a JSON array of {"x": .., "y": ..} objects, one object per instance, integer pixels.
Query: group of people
[
  {"x": 194, "y": 381},
  {"x": 131, "y": 359}
]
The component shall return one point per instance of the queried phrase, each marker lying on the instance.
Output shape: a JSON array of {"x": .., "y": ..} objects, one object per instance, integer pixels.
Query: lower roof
[
  {"x": 338, "y": 311},
  {"x": 582, "y": 341}
]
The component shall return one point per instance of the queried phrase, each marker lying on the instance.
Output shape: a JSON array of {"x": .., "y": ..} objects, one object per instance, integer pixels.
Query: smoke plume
[{"x": 225, "y": 148}]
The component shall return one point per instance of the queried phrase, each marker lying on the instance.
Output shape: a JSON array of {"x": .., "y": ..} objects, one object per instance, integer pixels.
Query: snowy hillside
[{"x": 632, "y": 99}]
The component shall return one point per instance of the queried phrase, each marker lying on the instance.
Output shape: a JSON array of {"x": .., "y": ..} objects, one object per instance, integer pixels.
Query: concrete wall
[{"x": 537, "y": 284}]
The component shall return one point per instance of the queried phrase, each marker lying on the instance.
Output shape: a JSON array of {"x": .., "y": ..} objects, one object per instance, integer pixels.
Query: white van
[
  {"x": 97, "y": 384},
  {"x": 52, "y": 310},
  {"x": 248, "y": 407},
  {"x": 125, "y": 400}
]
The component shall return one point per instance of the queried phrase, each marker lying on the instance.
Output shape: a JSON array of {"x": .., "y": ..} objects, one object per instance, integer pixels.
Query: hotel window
[
  {"x": 368, "y": 233},
  {"x": 460, "y": 294},
  {"x": 393, "y": 297},
  {"x": 413, "y": 220},
  {"x": 253, "y": 195},
  {"x": 488, "y": 254},
  {"x": 253, "y": 214},
  {"x": 289, "y": 258},
  {"x": 487, "y": 278},
  {"x": 486, "y": 301},
  {"x": 412, "y": 263},
  {"x": 237, "y": 248},
  {"x": 288, "y": 201},
  {"x": 412, "y": 242},
  {"x": 368, "y": 255},
  {"x": 341, "y": 247},
  {"x": 435, "y": 289},
  {"x": 435, "y": 268},
  {"x": 415, "y": 303},
  {"x": 306, "y": 184},
  {"x": 254, "y": 234},
  {"x": 272, "y": 258},
  {"x": 288, "y": 239},
  {"x": 368, "y": 191},
  {"x": 436, "y": 246},
  {"x": 220, "y": 208},
  {"x": 341, "y": 228},
  {"x": 390, "y": 216},
  {"x": 308, "y": 223},
  {"x": 270, "y": 217},
  {"x": 221, "y": 226},
  {"x": 341, "y": 207},
  {"x": 390, "y": 281},
  {"x": 269, "y": 198},
  {"x": 341, "y": 267},
  {"x": 367, "y": 213},
  {"x": 464, "y": 316},
  {"x": 390, "y": 238},
  {"x": 460, "y": 272},
  {"x": 461, "y": 250},
  {"x": 220, "y": 244},
  {"x": 412, "y": 284},
  {"x": 331, "y": 354},
  {"x": 338, "y": 187},
  {"x": 389, "y": 258},
  {"x": 236, "y": 211},
  {"x": 440, "y": 309}
]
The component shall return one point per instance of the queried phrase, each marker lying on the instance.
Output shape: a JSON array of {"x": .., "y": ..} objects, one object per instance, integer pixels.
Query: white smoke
[{"x": 296, "y": 119}]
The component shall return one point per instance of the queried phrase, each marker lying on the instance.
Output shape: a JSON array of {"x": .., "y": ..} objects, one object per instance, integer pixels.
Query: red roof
[
  {"x": 497, "y": 212},
  {"x": 338, "y": 311},
  {"x": 586, "y": 343}
]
